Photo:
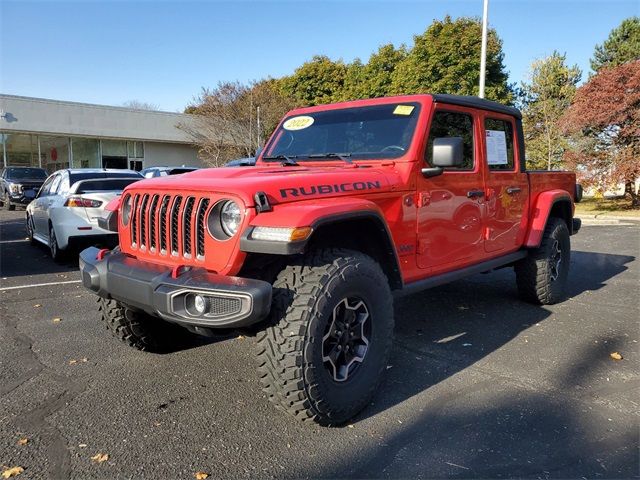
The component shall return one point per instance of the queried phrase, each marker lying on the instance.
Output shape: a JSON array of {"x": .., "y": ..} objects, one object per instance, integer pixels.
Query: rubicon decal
[{"x": 327, "y": 189}]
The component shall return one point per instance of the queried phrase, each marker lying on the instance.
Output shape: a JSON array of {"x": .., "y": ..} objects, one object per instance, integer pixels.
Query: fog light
[
  {"x": 200, "y": 304},
  {"x": 196, "y": 304}
]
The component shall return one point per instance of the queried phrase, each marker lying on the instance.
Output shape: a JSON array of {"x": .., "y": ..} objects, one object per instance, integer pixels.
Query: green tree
[
  {"x": 318, "y": 81},
  {"x": 374, "y": 78},
  {"x": 622, "y": 45},
  {"x": 545, "y": 98},
  {"x": 446, "y": 59}
]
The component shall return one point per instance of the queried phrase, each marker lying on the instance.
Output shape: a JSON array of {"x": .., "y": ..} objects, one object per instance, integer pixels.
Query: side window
[
  {"x": 63, "y": 189},
  {"x": 499, "y": 141},
  {"x": 44, "y": 190},
  {"x": 55, "y": 184},
  {"x": 452, "y": 124}
]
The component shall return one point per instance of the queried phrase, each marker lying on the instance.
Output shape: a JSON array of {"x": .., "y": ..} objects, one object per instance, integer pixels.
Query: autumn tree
[
  {"x": 622, "y": 45},
  {"x": 544, "y": 99},
  {"x": 315, "y": 82},
  {"x": 225, "y": 119},
  {"x": 446, "y": 59},
  {"x": 605, "y": 120}
]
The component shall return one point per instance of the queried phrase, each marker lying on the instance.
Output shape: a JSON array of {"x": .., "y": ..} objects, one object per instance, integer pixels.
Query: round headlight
[
  {"x": 230, "y": 217},
  {"x": 126, "y": 210}
]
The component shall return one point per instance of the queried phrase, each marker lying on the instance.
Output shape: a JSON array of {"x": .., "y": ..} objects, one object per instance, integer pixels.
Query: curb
[{"x": 604, "y": 216}]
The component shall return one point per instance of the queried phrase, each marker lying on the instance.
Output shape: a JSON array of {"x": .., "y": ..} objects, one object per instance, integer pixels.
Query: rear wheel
[
  {"x": 542, "y": 276},
  {"x": 330, "y": 336},
  {"x": 56, "y": 253},
  {"x": 141, "y": 330}
]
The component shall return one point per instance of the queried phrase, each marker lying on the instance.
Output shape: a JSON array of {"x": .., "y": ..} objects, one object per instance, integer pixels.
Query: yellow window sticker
[
  {"x": 298, "y": 123},
  {"x": 403, "y": 110}
]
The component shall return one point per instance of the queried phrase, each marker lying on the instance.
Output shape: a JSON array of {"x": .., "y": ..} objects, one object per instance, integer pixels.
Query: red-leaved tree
[{"x": 604, "y": 122}]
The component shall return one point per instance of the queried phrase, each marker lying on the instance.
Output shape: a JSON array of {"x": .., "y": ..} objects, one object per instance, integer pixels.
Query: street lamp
[{"x": 483, "y": 49}]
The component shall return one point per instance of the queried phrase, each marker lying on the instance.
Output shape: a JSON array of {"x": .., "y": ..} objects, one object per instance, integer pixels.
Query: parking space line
[
  {"x": 14, "y": 241},
  {"x": 39, "y": 285}
]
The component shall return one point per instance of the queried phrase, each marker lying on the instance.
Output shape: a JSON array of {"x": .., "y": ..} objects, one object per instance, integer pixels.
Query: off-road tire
[
  {"x": 535, "y": 273},
  {"x": 290, "y": 349},
  {"x": 140, "y": 330}
]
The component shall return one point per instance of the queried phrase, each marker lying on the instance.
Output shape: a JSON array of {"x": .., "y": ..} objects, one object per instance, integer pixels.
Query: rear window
[
  {"x": 105, "y": 185},
  {"x": 178, "y": 171},
  {"x": 23, "y": 173}
]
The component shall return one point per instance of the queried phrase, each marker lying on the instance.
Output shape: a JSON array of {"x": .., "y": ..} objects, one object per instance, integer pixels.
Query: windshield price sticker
[
  {"x": 298, "y": 123},
  {"x": 496, "y": 148},
  {"x": 403, "y": 110}
]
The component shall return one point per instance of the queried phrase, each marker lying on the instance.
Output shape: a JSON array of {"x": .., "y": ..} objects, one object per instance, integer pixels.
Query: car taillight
[{"x": 82, "y": 202}]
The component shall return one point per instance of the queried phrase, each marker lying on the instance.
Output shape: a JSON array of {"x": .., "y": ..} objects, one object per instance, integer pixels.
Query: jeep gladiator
[{"x": 348, "y": 205}]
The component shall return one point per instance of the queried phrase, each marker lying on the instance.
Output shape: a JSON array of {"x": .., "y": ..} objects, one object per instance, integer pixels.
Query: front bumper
[
  {"x": 20, "y": 199},
  {"x": 161, "y": 291}
]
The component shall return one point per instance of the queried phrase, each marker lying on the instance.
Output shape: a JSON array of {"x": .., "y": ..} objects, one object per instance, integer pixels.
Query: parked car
[
  {"x": 18, "y": 185},
  {"x": 152, "y": 172},
  {"x": 348, "y": 206},
  {"x": 241, "y": 162},
  {"x": 67, "y": 207}
]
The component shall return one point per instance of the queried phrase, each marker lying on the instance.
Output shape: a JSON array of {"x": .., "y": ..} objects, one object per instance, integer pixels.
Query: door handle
[
  {"x": 512, "y": 190},
  {"x": 475, "y": 194}
]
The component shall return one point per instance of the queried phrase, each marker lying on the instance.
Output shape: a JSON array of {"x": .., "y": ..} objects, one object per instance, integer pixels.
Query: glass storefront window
[
  {"x": 86, "y": 153},
  {"x": 21, "y": 150},
  {"x": 54, "y": 152},
  {"x": 114, "y": 148},
  {"x": 135, "y": 149}
]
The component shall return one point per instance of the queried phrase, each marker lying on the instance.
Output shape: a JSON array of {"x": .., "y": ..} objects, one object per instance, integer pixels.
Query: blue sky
[{"x": 163, "y": 52}]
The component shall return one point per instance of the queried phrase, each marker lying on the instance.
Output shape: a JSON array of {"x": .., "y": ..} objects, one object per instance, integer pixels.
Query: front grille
[
  {"x": 175, "y": 224},
  {"x": 219, "y": 306}
]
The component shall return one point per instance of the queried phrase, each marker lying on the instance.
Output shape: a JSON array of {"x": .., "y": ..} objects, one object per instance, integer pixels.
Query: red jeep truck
[{"x": 348, "y": 205}]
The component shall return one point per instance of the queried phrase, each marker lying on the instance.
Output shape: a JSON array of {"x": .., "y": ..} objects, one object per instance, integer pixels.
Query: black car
[
  {"x": 19, "y": 185},
  {"x": 241, "y": 162}
]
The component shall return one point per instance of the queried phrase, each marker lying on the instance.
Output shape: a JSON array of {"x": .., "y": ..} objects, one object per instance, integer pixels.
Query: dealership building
[{"x": 56, "y": 134}]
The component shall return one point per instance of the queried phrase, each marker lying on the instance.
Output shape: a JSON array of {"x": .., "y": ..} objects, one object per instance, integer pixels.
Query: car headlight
[
  {"x": 230, "y": 218},
  {"x": 224, "y": 220},
  {"x": 15, "y": 188},
  {"x": 126, "y": 209}
]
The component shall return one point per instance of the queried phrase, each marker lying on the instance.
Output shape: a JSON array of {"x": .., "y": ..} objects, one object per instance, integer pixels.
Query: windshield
[
  {"x": 23, "y": 173},
  {"x": 379, "y": 131}
]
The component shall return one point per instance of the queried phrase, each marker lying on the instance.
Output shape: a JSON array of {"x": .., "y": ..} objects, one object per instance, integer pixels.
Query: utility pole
[
  {"x": 258, "y": 126},
  {"x": 483, "y": 50}
]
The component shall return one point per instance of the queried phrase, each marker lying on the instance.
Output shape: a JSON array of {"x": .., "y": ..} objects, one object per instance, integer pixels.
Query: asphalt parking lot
[{"x": 479, "y": 384}]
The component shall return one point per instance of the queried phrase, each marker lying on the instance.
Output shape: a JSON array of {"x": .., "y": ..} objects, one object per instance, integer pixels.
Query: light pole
[{"x": 483, "y": 49}]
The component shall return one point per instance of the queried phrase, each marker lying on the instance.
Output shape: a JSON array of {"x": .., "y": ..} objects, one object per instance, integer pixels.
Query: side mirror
[{"x": 447, "y": 152}]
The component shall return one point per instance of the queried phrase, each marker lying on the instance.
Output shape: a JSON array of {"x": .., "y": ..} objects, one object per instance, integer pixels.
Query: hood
[
  {"x": 18, "y": 181},
  {"x": 281, "y": 184}
]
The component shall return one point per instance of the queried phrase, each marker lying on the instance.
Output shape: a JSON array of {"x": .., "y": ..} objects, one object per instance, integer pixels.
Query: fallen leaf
[
  {"x": 240, "y": 337},
  {"x": 85, "y": 359},
  {"x": 57, "y": 320},
  {"x": 616, "y": 356},
  {"x": 200, "y": 475},
  {"x": 23, "y": 441},
  {"x": 82, "y": 445},
  {"x": 12, "y": 472},
  {"x": 350, "y": 426},
  {"x": 73, "y": 362},
  {"x": 37, "y": 305},
  {"x": 100, "y": 457}
]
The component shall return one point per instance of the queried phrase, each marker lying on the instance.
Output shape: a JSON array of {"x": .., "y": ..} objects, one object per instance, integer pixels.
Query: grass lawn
[{"x": 607, "y": 206}]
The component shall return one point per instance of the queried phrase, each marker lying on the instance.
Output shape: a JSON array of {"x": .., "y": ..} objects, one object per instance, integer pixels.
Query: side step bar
[{"x": 461, "y": 273}]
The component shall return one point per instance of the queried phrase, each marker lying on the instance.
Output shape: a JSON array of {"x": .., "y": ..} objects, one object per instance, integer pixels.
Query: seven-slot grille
[{"x": 169, "y": 224}]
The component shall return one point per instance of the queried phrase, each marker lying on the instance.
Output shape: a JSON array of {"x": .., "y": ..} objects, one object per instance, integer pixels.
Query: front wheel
[
  {"x": 330, "y": 335},
  {"x": 542, "y": 275},
  {"x": 56, "y": 253},
  {"x": 6, "y": 203}
]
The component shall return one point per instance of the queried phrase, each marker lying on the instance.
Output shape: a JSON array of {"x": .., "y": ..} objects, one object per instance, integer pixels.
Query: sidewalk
[{"x": 607, "y": 219}]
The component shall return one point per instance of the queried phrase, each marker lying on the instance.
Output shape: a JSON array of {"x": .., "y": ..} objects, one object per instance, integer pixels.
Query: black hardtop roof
[{"x": 476, "y": 102}]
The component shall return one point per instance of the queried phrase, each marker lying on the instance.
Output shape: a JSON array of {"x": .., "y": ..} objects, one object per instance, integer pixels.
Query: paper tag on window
[
  {"x": 496, "y": 148},
  {"x": 403, "y": 110}
]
